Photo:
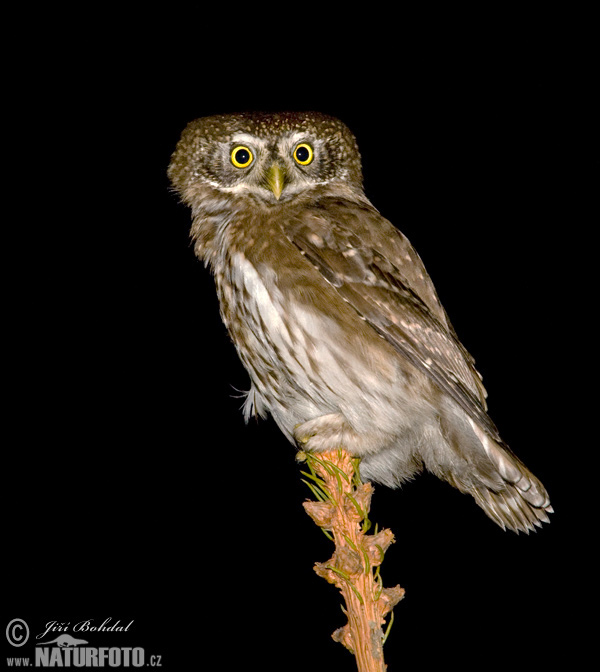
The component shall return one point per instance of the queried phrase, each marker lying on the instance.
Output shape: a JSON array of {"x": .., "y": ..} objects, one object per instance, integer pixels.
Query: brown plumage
[{"x": 333, "y": 314}]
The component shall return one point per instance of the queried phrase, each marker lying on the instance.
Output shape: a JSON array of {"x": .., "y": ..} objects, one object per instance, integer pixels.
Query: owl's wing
[{"x": 377, "y": 272}]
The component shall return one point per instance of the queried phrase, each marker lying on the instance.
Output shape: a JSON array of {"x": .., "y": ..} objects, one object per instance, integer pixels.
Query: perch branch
[{"x": 341, "y": 511}]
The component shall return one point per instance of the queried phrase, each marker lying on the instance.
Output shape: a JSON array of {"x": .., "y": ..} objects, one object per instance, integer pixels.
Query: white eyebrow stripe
[
  {"x": 248, "y": 139},
  {"x": 297, "y": 136}
]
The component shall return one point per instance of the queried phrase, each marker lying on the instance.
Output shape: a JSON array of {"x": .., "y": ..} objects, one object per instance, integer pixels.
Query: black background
[{"x": 131, "y": 486}]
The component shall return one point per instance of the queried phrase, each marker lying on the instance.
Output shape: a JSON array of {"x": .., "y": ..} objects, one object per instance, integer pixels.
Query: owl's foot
[{"x": 326, "y": 433}]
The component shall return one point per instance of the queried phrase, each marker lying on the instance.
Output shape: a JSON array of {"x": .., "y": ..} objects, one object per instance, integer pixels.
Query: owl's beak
[{"x": 276, "y": 179}]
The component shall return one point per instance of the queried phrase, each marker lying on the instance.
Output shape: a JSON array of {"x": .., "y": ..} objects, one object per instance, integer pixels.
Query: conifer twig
[{"x": 342, "y": 512}]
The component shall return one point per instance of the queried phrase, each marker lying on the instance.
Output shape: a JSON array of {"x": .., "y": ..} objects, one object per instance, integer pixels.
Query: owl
[{"x": 333, "y": 314}]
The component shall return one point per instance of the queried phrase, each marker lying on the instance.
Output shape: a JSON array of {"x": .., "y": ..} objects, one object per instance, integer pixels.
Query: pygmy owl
[{"x": 333, "y": 314}]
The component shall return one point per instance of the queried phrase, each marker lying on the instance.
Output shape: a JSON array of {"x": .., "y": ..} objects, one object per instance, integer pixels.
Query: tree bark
[{"x": 341, "y": 509}]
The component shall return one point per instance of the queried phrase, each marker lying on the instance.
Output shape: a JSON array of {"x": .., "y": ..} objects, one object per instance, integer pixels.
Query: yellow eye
[
  {"x": 303, "y": 154},
  {"x": 241, "y": 157}
]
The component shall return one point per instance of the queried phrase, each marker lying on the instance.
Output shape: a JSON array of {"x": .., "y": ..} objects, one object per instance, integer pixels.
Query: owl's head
[{"x": 271, "y": 157}]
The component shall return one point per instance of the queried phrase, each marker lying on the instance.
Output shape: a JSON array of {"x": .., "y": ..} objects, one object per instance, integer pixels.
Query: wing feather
[{"x": 371, "y": 265}]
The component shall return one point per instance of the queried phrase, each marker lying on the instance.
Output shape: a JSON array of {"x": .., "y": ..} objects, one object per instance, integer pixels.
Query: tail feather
[
  {"x": 509, "y": 510},
  {"x": 521, "y": 503}
]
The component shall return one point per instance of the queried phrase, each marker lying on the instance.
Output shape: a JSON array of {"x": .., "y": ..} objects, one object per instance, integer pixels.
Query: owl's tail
[
  {"x": 517, "y": 500},
  {"x": 475, "y": 463}
]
